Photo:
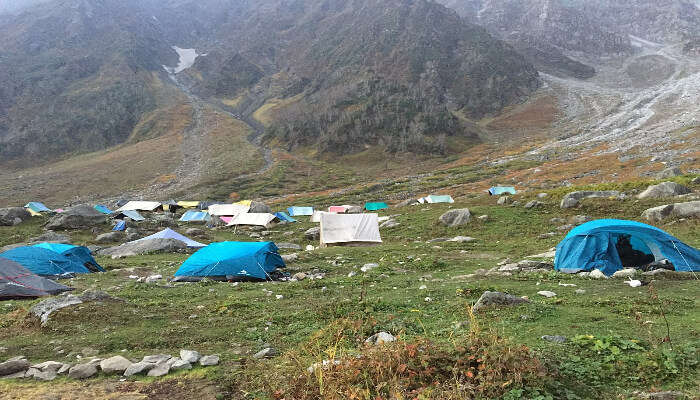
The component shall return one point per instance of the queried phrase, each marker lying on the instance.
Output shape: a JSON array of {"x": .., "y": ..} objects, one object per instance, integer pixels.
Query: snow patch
[{"x": 187, "y": 59}]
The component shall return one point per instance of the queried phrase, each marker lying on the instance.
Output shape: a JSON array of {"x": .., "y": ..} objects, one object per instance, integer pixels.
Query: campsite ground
[{"x": 617, "y": 344}]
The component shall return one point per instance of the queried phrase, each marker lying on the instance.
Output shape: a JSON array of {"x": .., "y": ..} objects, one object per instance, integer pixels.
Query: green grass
[{"x": 237, "y": 320}]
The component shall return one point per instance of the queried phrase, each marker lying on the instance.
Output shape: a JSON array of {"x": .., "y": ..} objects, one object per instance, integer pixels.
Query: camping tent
[
  {"x": 204, "y": 205},
  {"x": 79, "y": 254},
  {"x": 499, "y": 190},
  {"x": 610, "y": 244},
  {"x": 171, "y": 234},
  {"x": 282, "y": 216},
  {"x": 44, "y": 262},
  {"x": 195, "y": 216},
  {"x": 376, "y": 206},
  {"x": 300, "y": 211},
  {"x": 434, "y": 199},
  {"x": 17, "y": 281},
  {"x": 103, "y": 209},
  {"x": 35, "y": 208},
  {"x": 228, "y": 210},
  {"x": 232, "y": 260},
  {"x": 339, "y": 229},
  {"x": 188, "y": 204},
  {"x": 170, "y": 206},
  {"x": 140, "y": 206},
  {"x": 133, "y": 215},
  {"x": 338, "y": 209},
  {"x": 253, "y": 219}
]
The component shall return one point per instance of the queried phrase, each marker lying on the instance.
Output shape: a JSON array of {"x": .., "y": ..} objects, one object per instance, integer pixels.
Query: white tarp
[
  {"x": 316, "y": 216},
  {"x": 228, "y": 210},
  {"x": 140, "y": 206},
  {"x": 254, "y": 219},
  {"x": 349, "y": 228}
]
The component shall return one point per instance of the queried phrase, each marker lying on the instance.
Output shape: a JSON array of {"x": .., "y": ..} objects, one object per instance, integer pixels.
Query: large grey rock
[
  {"x": 162, "y": 368},
  {"x": 115, "y": 365},
  {"x": 179, "y": 364},
  {"x": 157, "y": 358},
  {"x": 663, "y": 189},
  {"x": 79, "y": 217},
  {"x": 141, "y": 247},
  {"x": 456, "y": 217},
  {"x": 207, "y": 361},
  {"x": 354, "y": 210},
  {"x": 669, "y": 173},
  {"x": 13, "y": 216},
  {"x": 689, "y": 209},
  {"x": 313, "y": 233},
  {"x": 45, "y": 308},
  {"x": 190, "y": 356},
  {"x": 389, "y": 224},
  {"x": 534, "y": 204},
  {"x": 572, "y": 199},
  {"x": 489, "y": 299},
  {"x": 259, "y": 207},
  {"x": 82, "y": 371},
  {"x": 503, "y": 200},
  {"x": 13, "y": 366},
  {"x": 109, "y": 237},
  {"x": 289, "y": 246},
  {"x": 139, "y": 368},
  {"x": 51, "y": 237},
  {"x": 47, "y": 375}
]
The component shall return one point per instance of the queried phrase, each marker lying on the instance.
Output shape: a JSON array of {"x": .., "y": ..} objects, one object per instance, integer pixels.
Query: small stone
[
  {"x": 579, "y": 291},
  {"x": 153, "y": 278},
  {"x": 82, "y": 371},
  {"x": 309, "y": 247},
  {"x": 428, "y": 299},
  {"x": 596, "y": 274},
  {"x": 267, "y": 352},
  {"x": 368, "y": 267},
  {"x": 300, "y": 276},
  {"x": 489, "y": 299},
  {"x": 190, "y": 356},
  {"x": 139, "y": 368},
  {"x": 462, "y": 239},
  {"x": 625, "y": 273},
  {"x": 422, "y": 287},
  {"x": 555, "y": 338},
  {"x": 380, "y": 338},
  {"x": 206, "y": 361},
  {"x": 546, "y": 293},
  {"x": 290, "y": 258},
  {"x": 351, "y": 274},
  {"x": 534, "y": 204}
]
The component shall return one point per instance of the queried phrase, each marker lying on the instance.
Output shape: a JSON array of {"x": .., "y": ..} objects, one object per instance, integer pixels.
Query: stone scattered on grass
[
  {"x": 534, "y": 204},
  {"x": 190, "y": 356},
  {"x": 82, "y": 371},
  {"x": 369, "y": 267},
  {"x": 554, "y": 338},
  {"x": 489, "y": 299},
  {"x": 546, "y": 293},
  {"x": 625, "y": 273},
  {"x": 179, "y": 364},
  {"x": 454, "y": 218},
  {"x": 380, "y": 338},
  {"x": 597, "y": 274},
  {"x": 160, "y": 369},
  {"x": 139, "y": 368},
  {"x": 116, "y": 364},
  {"x": 207, "y": 361},
  {"x": 267, "y": 352},
  {"x": 290, "y": 258}
]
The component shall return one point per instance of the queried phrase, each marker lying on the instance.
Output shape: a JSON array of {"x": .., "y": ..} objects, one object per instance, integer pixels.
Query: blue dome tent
[
  {"x": 597, "y": 245},
  {"x": 232, "y": 260},
  {"x": 44, "y": 262},
  {"x": 79, "y": 254}
]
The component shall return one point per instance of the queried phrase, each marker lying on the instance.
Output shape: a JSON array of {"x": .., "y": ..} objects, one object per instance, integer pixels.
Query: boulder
[
  {"x": 554, "y": 338},
  {"x": 51, "y": 237},
  {"x": 162, "y": 368},
  {"x": 354, "y": 210},
  {"x": 259, "y": 207},
  {"x": 572, "y": 199},
  {"x": 503, "y": 200},
  {"x": 190, "y": 356},
  {"x": 177, "y": 364},
  {"x": 45, "y": 308},
  {"x": 13, "y": 365},
  {"x": 313, "y": 233},
  {"x": 389, "y": 224},
  {"x": 290, "y": 246},
  {"x": 534, "y": 204},
  {"x": 669, "y": 173},
  {"x": 138, "y": 368},
  {"x": 663, "y": 189},
  {"x": 82, "y": 371},
  {"x": 290, "y": 258},
  {"x": 115, "y": 365},
  {"x": 195, "y": 232},
  {"x": 79, "y": 217},
  {"x": 625, "y": 273},
  {"x": 454, "y": 218},
  {"x": 207, "y": 361},
  {"x": 489, "y": 299},
  {"x": 48, "y": 366},
  {"x": 157, "y": 358},
  {"x": 381, "y": 338},
  {"x": 13, "y": 216},
  {"x": 689, "y": 209},
  {"x": 149, "y": 246},
  {"x": 109, "y": 237}
]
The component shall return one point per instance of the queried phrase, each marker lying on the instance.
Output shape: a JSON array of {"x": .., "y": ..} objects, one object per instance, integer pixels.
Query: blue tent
[
  {"x": 594, "y": 245},
  {"x": 376, "y": 206},
  {"x": 499, "y": 190},
  {"x": 103, "y": 209},
  {"x": 282, "y": 216},
  {"x": 134, "y": 215},
  {"x": 195, "y": 216},
  {"x": 300, "y": 211},
  {"x": 79, "y": 254},
  {"x": 171, "y": 234},
  {"x": 233, "y": 260},
  {"x": 120, "y": 226},
  {"x": 44, "y": 262}
]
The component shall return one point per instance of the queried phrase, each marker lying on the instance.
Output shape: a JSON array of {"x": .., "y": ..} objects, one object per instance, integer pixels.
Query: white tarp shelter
[
  {"x": 253, "y": 219},
  {"x": 140, "y": 206},
  {"x": 316, "y": 216},
  {"x": 349, "y": 229},
  {"x": 228, "y": 210}
]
